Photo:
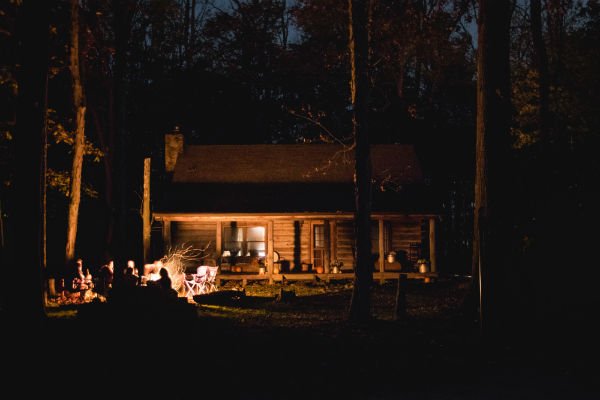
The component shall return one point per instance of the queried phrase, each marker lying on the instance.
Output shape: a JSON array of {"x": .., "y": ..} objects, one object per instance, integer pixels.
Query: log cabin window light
[{"x": 244, "y": 241}]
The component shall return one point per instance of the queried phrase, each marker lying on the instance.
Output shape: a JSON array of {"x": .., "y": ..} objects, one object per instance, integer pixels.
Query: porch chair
[
  {"x": 201, "y": 277},
  {"x": 211, "y": 285},
  {"x": 191, "y": 286}
]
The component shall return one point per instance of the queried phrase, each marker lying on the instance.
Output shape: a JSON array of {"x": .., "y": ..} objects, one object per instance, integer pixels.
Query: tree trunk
[
  {"x": 493, "y": 198},
  {"x": 123, "y": 12},
  {"x": 360, "y": 305},
  {"x": 540, "y": 63},
  {"x": 25, "y": 206},
  {"x": 400, "y": 306},
  {"x": 146, "y": 211},
  {"x": 185, "y": 49},
  {"x": 108, "y": 185},
  {"x": 555, "y": 15},
  {"x": 192, "y": 38},
  {"x": 79, "y": 142}
]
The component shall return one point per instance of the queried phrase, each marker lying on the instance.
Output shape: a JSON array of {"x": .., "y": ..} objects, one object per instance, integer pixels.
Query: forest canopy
[{"x": 277, "y": 71}]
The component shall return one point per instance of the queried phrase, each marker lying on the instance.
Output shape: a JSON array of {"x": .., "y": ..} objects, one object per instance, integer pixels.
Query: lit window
[{"x": 246, "y": 241}]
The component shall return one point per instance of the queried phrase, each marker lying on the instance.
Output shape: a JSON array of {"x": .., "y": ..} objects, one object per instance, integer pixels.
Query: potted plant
[
  {"x": 423, "y": 265},
  {"x": 336, "y": 266},
  {"x": 262, "y": 269}
]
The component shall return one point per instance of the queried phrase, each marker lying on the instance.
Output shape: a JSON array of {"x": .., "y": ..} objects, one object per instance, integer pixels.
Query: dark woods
[{"x": 278, "y": 72}]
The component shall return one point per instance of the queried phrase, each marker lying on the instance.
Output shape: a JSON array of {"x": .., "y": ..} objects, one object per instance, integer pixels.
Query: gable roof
[
  {"x": 292, "y": 163},
  {"x": 291, "y": 178}
]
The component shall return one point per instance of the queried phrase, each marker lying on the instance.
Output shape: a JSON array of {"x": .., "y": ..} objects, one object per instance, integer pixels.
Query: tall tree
[
  {"x": 540, "y": 63},
  {"x": 25, "y": 211},
  {"x": 360, "y": 305},
  {"x": 79, "y": 142},
  {"x": 493, "y": 201},
  {"x": 123, "y": 14}
]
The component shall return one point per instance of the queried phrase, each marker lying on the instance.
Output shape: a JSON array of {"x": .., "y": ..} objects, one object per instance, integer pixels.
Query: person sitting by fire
[
  {"x": 80, "y": 280},
  {"x": 152, "y": 271},
  {"x": 131, "y": 263},
  {"x": 166, "y": 285},
  {"x": 107, "y": 274},
  {"x": 129, "y": 280}
]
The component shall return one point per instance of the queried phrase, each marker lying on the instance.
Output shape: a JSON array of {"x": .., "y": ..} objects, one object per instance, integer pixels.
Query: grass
[{"x": 259, "y": 348}]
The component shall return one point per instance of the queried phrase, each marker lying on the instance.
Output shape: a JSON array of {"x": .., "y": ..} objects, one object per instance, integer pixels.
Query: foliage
[
  {"x": 61, "y": 182},
  {"x": 525, "y": 130},
  {"x": 281, "y": 70},
  {"x": 62, "y": 135}
]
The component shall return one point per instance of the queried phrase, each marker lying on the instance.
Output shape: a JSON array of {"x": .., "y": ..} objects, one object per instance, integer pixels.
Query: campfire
[{"x": 175, "y": 260}]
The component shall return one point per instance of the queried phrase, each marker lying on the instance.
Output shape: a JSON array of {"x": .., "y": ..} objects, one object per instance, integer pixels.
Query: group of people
[{"x": 155, "y": 275}]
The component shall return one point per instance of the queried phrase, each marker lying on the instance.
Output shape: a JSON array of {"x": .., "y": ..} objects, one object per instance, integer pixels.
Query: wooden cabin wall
[
  {"x": 399, "y": 237},
  {"x": 196, "y": 234},
  {"x": 375, "y": 243},
  {"x": 344, "y": 240},
  {"x": 405, "y": 233},
  {"x": 285, "y": 240}
]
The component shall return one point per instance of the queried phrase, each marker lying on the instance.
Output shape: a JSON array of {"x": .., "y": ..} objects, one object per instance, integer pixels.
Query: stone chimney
[{"x": 173, "y": 148}]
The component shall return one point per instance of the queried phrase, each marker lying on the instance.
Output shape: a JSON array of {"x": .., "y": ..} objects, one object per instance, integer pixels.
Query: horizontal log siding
[
  {"x": 375, "y": 244},
  {"x": 344, "y": 244},
  {"x": 284, "y": 240},
  {"x": 197, "y": 234},
  {"x": 375, "y": 237},
  {"x": 405, "y": 233}
]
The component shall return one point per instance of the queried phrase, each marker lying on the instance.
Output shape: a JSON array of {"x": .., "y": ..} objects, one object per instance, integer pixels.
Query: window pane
[
  {"x": 256, "y": 233},
  {"x": 244, "y": 240},
  {"x": 319, "y": 233},
  {"x": 233, "y": 234}
]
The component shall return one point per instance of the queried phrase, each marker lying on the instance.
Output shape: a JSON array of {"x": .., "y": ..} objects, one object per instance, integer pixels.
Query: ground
[{"x": 303, "y": 347}]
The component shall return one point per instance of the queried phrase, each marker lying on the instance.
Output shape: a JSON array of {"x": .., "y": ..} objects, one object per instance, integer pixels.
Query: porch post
[
  {"x": 219, "y": 244},
  {"x": 381, "y": 250},
  {"x": 332, "y": 245},
  {"x": 167, "y": 235},
  {"x": 270, "y": 250},
  {"x": 432, "y": 259},
  {"x": 327, "y": 233}
]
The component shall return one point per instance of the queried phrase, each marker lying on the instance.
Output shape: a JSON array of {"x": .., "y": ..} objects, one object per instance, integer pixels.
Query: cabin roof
[
  {"x": 291, "y": 178},
  {"x": 292, "y": 163},
  {"x": 296, "y": 198}
]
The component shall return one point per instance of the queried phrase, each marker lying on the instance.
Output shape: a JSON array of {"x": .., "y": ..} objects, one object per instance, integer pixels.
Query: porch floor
[{"x": 313, "y": 276}]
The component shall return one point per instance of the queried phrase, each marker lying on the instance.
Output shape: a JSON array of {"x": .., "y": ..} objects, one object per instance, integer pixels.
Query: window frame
[{"x": 244, "y": 226}]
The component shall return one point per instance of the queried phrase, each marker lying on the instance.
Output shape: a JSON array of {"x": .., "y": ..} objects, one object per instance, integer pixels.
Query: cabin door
[{"x": 318, "y": 245}]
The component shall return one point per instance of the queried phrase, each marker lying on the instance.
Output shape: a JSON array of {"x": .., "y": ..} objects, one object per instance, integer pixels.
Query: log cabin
[{"x": 285, "y": 211}]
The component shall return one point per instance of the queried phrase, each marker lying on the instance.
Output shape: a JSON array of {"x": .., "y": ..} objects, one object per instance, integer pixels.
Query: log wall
[
  {"x": 291, "y": 239},
  {"x": 197, "y": 234}
]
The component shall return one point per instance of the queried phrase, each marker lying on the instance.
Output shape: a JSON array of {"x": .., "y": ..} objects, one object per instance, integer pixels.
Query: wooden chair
[
  {"x": 211, "y": 278},
  {"x": 191, "y": 286},
  {"x": 201, "y": 278}
]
